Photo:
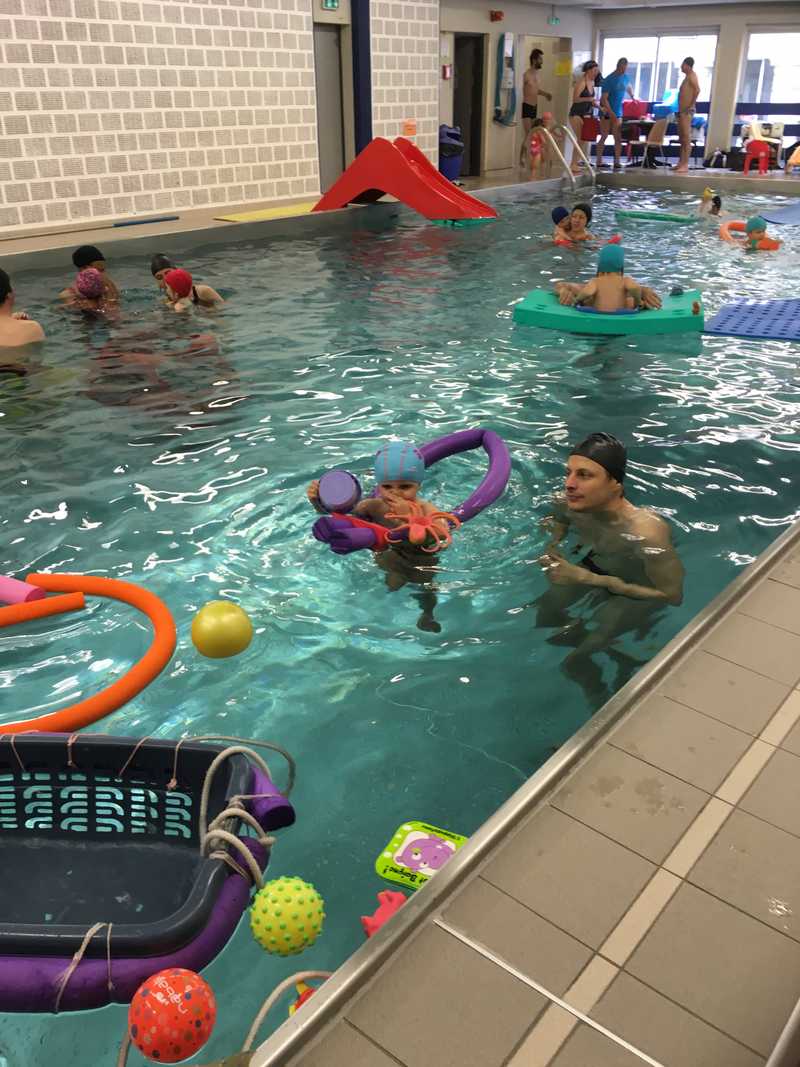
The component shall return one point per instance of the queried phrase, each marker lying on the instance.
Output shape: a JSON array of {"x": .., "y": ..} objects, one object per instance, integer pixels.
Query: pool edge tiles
[{"x": 608, "y": 851}]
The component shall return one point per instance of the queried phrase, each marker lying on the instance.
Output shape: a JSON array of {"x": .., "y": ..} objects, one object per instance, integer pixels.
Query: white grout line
[
  {"x": 697, "y": 838},
  {"x": 745, "y": 771},
  {"x": 504, "y": 965},
  {"x": 639, "y": 918}
]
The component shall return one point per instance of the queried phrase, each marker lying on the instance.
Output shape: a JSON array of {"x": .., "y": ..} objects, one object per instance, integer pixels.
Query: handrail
[
  {"x": 559, "y": 155},
  {"x": 576, "y": 145},
  {"x": 354, "y": 973}
]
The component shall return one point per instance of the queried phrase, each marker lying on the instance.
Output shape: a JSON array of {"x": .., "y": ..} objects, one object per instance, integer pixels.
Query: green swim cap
[
  {"x": 611, "y": 260},
  {"x": 756, "y": 223}
]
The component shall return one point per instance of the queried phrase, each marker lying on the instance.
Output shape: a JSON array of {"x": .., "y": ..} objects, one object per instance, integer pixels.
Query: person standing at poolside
[
  {"x": 16, "y": 329},
  {"x": 613, "y": 90},
  {"x": 582, "y": 107},
  {"x": 531, "y": 91},
  {"x": 687, "y": 98},
  {"x": 625, "y": 560}
]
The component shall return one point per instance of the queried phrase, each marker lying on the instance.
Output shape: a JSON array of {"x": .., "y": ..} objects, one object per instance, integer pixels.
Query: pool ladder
[{"x": 576, "y": 147}]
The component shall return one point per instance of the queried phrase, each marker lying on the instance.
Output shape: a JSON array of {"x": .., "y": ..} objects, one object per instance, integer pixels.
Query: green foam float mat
[
  {"x": 658, "y": 216},
  {"x": 461, "y": 224},
  {"x": 541, "y": 308}
]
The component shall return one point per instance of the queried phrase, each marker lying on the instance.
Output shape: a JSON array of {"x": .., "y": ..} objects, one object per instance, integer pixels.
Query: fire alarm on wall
[{"x": 496, "y": 16}]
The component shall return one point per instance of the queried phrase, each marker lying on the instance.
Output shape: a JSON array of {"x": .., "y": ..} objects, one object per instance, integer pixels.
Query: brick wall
[
  {"x": 110, "y": 107},
  {"x": 405, "y": 69}
]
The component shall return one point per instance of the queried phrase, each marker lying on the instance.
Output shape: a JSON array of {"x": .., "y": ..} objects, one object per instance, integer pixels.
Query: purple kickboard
[{"x": 770, "y": 320}]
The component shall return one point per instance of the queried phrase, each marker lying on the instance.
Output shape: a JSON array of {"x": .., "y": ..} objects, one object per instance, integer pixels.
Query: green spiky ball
[{"x": 286, "y": 916}]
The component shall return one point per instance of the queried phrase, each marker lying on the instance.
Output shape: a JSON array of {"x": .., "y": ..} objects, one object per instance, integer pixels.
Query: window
[
  {"x": 771, "y": 75},
  {"x": 654, "y": 63}
]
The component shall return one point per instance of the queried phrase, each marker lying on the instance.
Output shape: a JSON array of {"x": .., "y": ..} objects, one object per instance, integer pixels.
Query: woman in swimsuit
[{"x": 583, "y": 93}]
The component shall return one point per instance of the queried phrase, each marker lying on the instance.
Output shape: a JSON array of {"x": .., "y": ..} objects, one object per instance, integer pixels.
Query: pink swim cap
[{"x": 89, "y": 282}]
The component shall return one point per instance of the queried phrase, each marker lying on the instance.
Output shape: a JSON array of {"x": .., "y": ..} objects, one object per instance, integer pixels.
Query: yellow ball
[
  {"x": 286, "y": 916},
  {"x": 221, "y": 628}
]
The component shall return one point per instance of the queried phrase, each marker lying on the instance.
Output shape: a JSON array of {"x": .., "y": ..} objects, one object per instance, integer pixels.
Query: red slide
[{"x": 402, "y": 171}]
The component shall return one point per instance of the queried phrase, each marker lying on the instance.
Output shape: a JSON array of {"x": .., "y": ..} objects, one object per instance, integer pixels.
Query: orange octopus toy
[{"x": 420, "y": 526}]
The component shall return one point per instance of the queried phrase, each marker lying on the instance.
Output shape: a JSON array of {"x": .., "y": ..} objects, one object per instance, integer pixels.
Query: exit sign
[{"x": 330, "y": 5}]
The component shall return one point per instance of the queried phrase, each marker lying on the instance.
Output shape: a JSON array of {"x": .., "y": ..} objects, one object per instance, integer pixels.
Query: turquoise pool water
[{"x": 188, "y": 476}]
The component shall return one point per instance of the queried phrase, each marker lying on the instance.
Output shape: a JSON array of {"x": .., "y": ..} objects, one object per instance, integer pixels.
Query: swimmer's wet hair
[
  {"x": 160, "y": 262},
  {"x": 5, "y": 286},
  {"x": 586, "y": 210}
]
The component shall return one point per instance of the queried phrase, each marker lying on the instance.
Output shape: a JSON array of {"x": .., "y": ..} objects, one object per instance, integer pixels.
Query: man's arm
[
  {"x": 604, "y": 104},
  {"x": 695, "y": 84},
  {"x": 556, "y": 523}
]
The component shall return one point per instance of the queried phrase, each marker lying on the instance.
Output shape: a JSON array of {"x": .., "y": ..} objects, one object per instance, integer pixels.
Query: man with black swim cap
[{"x": 624, "y": 557}]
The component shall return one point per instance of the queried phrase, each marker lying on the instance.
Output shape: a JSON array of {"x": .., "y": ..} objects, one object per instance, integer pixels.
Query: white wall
[
  {"x": 733, "y": 24},
  {"x": 501, "y": 143}
]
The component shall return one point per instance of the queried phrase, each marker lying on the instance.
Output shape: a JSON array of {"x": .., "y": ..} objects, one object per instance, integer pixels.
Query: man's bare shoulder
[{"x": 650, "y": 527}]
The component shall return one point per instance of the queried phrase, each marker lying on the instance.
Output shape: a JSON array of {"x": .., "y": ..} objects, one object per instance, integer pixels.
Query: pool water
[{"x": 187, "y": 474}]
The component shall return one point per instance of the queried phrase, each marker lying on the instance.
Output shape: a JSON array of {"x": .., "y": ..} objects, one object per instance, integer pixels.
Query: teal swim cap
[
  {"x": 611, "y": 260},
  {"x": 756, "y": 223},
  {"x": 399, "y": 461}
]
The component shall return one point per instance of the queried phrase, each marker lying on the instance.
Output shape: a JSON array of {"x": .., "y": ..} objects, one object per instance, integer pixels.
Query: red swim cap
[{"x": 179, "y": 281}]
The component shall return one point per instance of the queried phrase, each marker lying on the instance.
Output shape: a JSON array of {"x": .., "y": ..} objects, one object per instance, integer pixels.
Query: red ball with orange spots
[{"x": 172, "y": 1015}]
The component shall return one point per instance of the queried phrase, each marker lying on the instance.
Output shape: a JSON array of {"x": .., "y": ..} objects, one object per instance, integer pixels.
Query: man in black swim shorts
[{"x": 530, "y": 93}]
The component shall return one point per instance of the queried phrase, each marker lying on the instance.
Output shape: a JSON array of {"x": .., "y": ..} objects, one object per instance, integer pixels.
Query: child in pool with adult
[
  {"x": 90, "y": 295},
  {"x": 755, "y": 231},
  {"x": 88, "y": 257},
  {"x": 625, "y": 560},
  {"x": 399, "y": 470},
  {"x": 16, "y": 329},
  {"x": 202, "y": 295},
  {"x": 610, "y": 290}
]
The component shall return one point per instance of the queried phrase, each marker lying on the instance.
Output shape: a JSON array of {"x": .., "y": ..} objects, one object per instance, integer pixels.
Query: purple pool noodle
[
  {"x": 28, "y": 983},
  {"x": 341, "y": 536},
  {"x": 339, "y": 491},
  {"x": 273, "y": 812}
]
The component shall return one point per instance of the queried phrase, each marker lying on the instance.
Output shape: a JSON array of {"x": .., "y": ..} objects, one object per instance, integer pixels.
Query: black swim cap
[
  {"x": 716, "y": 201},
  {"x": 606, "y": 450},
  {"x": 160, "y": 262},
  {"x": 586, "y": 210},
  {"x": 5, "y": 286},
  {"x": 86, "y": 255}
]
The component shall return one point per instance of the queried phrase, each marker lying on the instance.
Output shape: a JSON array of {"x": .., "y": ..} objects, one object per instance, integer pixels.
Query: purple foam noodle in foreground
[{"x": 339, "y": 491}]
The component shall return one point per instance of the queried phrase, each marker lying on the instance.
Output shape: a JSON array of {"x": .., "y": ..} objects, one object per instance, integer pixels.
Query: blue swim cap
[
  {"x": 558, "y": 214},
  {"x": 611, "y": 260},
  {"x": 756, "y": 223},
  {"x": 399, "y": 461}
]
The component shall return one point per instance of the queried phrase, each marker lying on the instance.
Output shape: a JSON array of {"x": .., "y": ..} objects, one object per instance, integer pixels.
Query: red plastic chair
[{"x": 757, "y": 150}]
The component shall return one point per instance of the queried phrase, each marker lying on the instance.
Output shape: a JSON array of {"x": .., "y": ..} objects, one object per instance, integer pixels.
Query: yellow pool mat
[{"x": 287, "y": 211}]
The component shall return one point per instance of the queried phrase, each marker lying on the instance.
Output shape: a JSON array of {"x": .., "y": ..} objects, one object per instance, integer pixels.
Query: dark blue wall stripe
[{"x": 362, "y": 73}]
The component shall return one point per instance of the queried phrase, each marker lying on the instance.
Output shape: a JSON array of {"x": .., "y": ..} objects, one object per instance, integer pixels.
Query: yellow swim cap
[{"x": 707, "y": 193}]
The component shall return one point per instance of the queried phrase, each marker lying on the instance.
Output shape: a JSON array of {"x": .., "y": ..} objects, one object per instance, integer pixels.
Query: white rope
[
  {"x": 61, "y": 984},
  {"x": 250, "y": 742},
  {"x": 273, "y": 998},
  {"x": 236, "y": 843}
]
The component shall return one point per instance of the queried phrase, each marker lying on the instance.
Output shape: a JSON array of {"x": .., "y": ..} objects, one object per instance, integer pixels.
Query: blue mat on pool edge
[
  {"x": 783, "y": 214},
  {"x": 772, "y": 320}
]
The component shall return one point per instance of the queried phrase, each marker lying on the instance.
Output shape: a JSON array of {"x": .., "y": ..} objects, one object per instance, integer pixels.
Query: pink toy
[
  {"x": 12, "y": 591},
  {"x": 389, "y": 902}
]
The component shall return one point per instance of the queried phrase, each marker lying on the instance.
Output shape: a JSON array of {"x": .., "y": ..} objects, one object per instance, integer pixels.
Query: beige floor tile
[
  {"x": 773, "y": 602},
  {"x": 516, "y": 934},
  {"x": 665, "y": 1031},
  {"x": 755, "y": 867},
  {"x": 758, "y": 646},
  {"x": 726, "y": 691},
  {"x": 775, "y": 794},
  {"x": 439, "y": 1004},
  {"x": 546, "y": 1039},
  {"x": 791, "y": 742},
  {"x": 683, "y": 742},
  {"x": 723, "y": 966},
  {"x": 746, "y": 771},
  {"x": 787, "y": 572},
  {"x": 544, "y": 866},
  {"x": 783, "y": 721},
  {"x": 589, "y": 1048},
  {"x": 698, "y": 837},
  {"x": 344, "y": 1046},
  {"x": 634, "y": 925},
  {"x": 639, "y": 806}
]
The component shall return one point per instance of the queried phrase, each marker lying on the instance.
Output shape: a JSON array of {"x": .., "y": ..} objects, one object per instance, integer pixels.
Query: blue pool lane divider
[{"x": 144, "y": 222}]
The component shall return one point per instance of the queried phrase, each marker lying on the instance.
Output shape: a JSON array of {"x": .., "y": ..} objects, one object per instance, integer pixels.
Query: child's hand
[
  {"x": 21, "y": 315},
  {"x": 650, "y": 298},
  {"x": 313, "y": 491},
  {"x": 566, "y": 297}
]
